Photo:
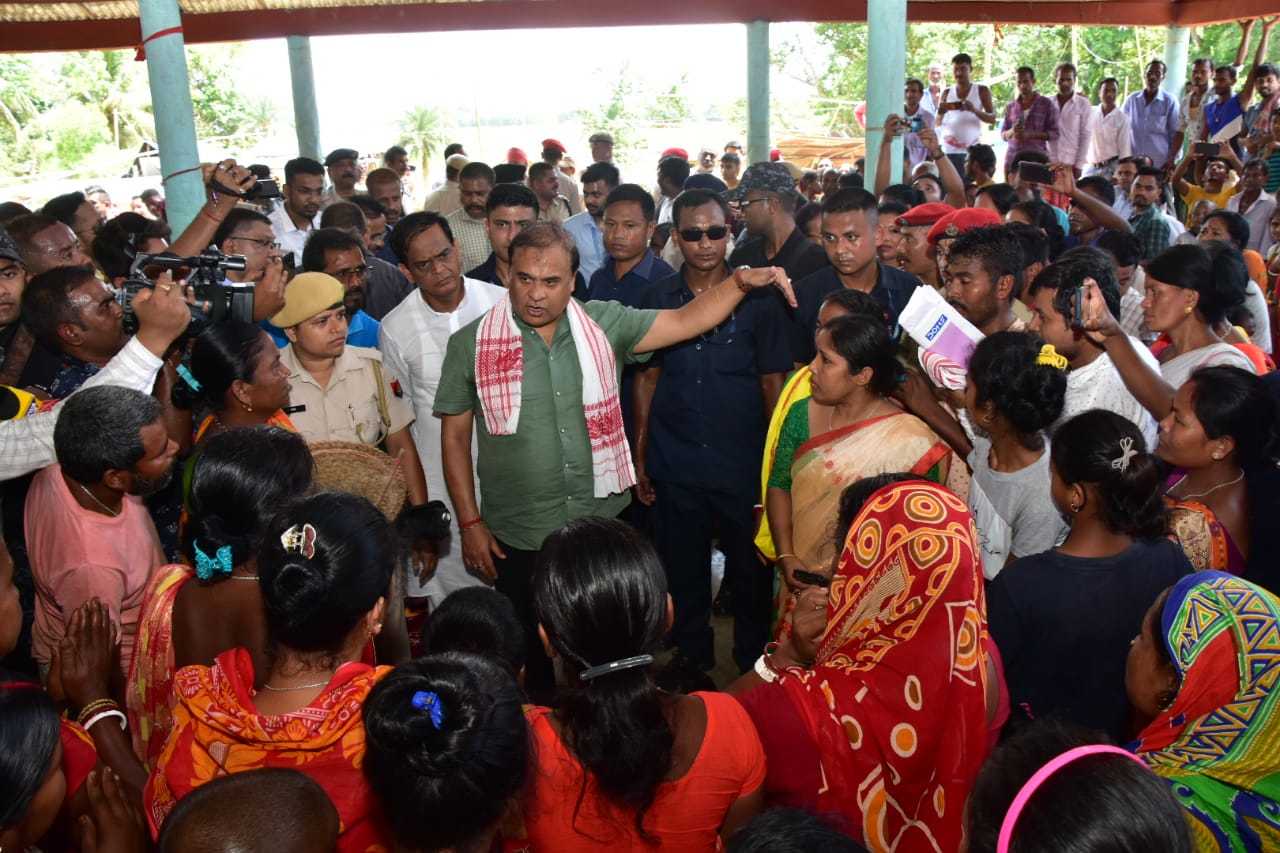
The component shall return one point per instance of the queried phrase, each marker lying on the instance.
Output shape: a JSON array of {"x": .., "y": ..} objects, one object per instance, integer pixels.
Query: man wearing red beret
[
  {"x": 955, "y": 223},
  {"x": 915, "y": 255},
  {"x": 553, "y": 152}
]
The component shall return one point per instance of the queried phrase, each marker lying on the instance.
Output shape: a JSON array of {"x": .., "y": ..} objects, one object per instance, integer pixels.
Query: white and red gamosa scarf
[{"x": 499, "y": 376}]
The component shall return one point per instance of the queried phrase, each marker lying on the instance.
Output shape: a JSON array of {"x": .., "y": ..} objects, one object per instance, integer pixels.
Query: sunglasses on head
[{"x": 694, "y": 235}]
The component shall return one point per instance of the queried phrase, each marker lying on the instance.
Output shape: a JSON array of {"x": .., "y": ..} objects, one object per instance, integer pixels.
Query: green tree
[
  {"x": 671, "y": 107},
  {"x": 616, "y": 115},
  {"x": 222, "y": 111},
  {"x": 997, "y": 51},
  {"x": 421, "y": 132}
]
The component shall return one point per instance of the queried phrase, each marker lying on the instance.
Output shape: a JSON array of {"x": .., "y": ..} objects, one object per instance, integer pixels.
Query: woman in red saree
[
  {"x": 325, "y": 569},
  {"x": 876, "y": 708},
  {"x": 242, "y": 477}
]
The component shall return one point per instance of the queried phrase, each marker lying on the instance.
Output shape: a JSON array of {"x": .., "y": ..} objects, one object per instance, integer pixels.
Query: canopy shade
[{"x": 91, "y": 24}]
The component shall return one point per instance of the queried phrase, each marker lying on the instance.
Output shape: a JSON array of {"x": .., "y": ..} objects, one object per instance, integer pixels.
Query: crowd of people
[{"x": 418, "y": 549}]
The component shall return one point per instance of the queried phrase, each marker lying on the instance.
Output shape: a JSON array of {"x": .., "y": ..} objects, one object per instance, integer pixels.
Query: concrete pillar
[
  {"x": 171, "y": 102},
  {"x": 758, "y": 142},
  {"x": 1175, "y": 60},
  {"x": 306, "y": 117},
  {"x": 886, "y": 73}
]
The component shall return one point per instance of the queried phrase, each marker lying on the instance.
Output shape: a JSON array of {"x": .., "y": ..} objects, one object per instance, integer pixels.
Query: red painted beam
[{"x": 518, "y": 14}]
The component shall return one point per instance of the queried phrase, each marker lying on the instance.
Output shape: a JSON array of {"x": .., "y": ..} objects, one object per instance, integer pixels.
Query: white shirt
[
  {"x": 1110, "y": 137},
  {"x": 1256, "y": 304},
  {"x": 1098, "y": 385},
  {"x": 958, "y": 129},
  {"x": 1258, "y": 215},
  {"x": 413, "y": 337},
  {"x": 26, "y": 444},
  {"x": 1075, "y": 130},
  {"x": 290, "y": 237}
]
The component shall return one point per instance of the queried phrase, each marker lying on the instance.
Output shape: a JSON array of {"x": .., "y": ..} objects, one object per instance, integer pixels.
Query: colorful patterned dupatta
[
  {"x": 1218, "y": 744},
  {"x": 217, "y": 730},
  {"x": 150, "y": 682},
  {"x": 896, "y": 699}
]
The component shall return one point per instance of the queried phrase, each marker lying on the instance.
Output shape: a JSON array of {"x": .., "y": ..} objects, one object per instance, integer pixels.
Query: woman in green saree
[{"x": 847, "y": 430}]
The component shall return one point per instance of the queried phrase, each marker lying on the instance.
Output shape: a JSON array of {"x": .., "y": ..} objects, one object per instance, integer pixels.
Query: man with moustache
[
  {"x": 696, "y": 467},
  {"x": 343, "y": 165},
  {"x": 298, "y": 212},
  {"x": 467, "y": 223},
  {"x": 546, "y": 411},
  {"x": 413, "y": 340},
  {"x": 386, "y": 188},
  {"x": 339, "y": 253}
]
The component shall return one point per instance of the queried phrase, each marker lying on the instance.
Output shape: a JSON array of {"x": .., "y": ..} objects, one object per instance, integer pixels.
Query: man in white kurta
[{"x": 412, "y": 339}]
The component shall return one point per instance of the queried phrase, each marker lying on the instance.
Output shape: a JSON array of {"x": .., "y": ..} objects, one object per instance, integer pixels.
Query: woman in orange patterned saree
[
  {"x": 888, "y": 724},
  {"x": 242, "y": 478},
  {"x": 325, "y": 569}
]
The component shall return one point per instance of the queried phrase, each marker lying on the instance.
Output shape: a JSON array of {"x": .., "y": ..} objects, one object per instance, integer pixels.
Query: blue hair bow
[
  {"x": 427, "y": 700},
  {"x": 219, "y": 564}
]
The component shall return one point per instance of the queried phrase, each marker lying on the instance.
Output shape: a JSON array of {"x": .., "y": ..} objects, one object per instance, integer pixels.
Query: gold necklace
[{"x": 94, "y": 498}]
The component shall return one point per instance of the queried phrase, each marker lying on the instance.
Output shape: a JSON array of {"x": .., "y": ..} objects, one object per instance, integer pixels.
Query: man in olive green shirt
[{"x": 539, "y": 478}]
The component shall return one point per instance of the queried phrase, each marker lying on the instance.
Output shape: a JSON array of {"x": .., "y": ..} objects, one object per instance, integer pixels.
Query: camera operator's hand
[
  {"x": 268, "y": 294},
  {"x": 163, "y": 314},
  {"x": 229, "y": 175}
]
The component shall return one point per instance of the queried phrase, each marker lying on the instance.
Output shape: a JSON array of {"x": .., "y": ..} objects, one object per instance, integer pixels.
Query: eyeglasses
[
  {"x": 751, "y": 201},
  {"x": 352, "y": 273},
  {"x": 426, "y": 266},
  {"x": 694, "y": 235},
  {"x": 261, "y": 244}
]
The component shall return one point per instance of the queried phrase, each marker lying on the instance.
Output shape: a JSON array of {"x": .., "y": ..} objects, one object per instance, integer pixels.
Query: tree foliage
[
  {"x": 1098, "y": 52},
  {"x": 617, "y": 114},
  {"x": 421, "y": 132}
]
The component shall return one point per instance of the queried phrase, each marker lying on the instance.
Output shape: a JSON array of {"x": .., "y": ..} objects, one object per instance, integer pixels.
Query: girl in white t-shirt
[{"x": 1016, "y": 388}]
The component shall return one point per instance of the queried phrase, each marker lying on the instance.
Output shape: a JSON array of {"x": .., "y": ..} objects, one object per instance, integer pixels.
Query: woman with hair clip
[
  {"x": 1052, "y": 787},
  {"x": 618, "y": 762},
  {"x": 237, "y": 375},
  {"x": 877, "y": 708},
  {"x": 240, "y": 480},
  {"x": 447, "y": 751},
  {"x": 1063, "y": 619},
  {"x": 1015, "y": 391},
  {"x": 325, "y": 568},
  {"x": 1200, "y": 677},
  {"x": 1223, "y": 421},
  {"x": 1189, "y": 291}
]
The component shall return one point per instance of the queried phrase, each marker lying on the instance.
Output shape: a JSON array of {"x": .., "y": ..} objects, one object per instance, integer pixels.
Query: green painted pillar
[
  {"x": 758, "y": 143},
  {"x": 306, "y": 117},
  {"x": 171, "y": 103},
  {"x": 886, "y": 73},
  {"x": 1176, "y": 42}
]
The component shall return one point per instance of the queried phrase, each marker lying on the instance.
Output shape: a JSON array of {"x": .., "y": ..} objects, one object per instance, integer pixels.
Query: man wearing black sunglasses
[{"x": 701, "y": 408}]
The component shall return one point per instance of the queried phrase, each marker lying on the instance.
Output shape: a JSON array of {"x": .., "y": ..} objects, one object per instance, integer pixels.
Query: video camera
[{"x": 217, "y": 299}]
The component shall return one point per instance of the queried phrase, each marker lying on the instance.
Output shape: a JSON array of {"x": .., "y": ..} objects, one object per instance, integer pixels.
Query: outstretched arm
[{"x": 712, "y": 308}]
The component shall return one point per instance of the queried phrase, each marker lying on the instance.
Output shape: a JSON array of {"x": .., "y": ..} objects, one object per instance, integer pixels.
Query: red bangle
[{"x": 466, "y": 525}]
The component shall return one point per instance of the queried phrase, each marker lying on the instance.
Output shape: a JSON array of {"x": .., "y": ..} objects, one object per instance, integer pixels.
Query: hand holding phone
[
  {"x": 1035, "y": 173},
  {"x": 1207, "y": 149}
]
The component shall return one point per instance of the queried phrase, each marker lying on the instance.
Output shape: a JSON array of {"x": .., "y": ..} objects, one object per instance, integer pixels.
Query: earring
[
  {"x": 1187, "y": 311},
  {"x": 248, "y": 407},
  {"x": 1075, "y": 507}
]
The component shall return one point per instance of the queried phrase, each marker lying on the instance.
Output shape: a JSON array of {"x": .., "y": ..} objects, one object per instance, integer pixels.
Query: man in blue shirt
[
  {"x": 1224, "y": 117},
  {"x": 586, "y": 227},
  {"x": 1154, "y": 119},
  {"x": 849, "y": 220},
  {"x": 702, "y": 407},
  {"x": 630, "y": 264}
]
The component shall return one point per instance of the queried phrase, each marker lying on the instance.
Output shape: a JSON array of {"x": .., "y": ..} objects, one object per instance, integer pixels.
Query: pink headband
[{"x": 1038, "y": 779}]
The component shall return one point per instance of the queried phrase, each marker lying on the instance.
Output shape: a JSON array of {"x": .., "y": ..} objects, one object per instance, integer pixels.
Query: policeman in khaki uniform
[{"x": 340, "y": 392}]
